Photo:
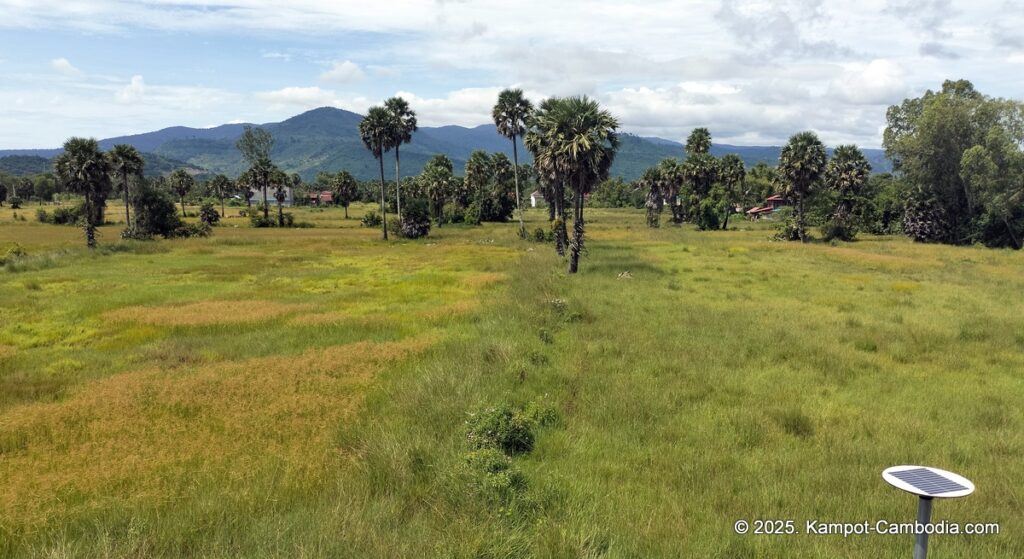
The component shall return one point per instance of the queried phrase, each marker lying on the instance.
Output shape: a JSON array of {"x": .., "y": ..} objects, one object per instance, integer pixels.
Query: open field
[{"x": 304, "y": 393}]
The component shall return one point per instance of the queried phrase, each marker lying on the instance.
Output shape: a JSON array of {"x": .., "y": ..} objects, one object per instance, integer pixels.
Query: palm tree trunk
[
  {"x": 124, "y": 185},
  {"x": 383, "y": 207},
  {"x": 515, "y": 170},
  {"x": 183, "y": 214},
  {"x": 800, "y": 217},
  {"x": 398, "y": 186},
  {"x": 346, "y": 211},
  {"x": 280, "y": 213},
  {"x": 577, "y": 229},
  {"x": 221, "y": 196},
  {"x": 266, "y": 206},
  {"x": 725, "y": 224},
  {"x": 560, "y": 232}
]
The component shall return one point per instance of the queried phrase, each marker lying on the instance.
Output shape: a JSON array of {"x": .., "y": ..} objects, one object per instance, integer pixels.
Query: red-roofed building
[
  {"x": 321, "y": 198},
  {"x": 771, "y": 204}
]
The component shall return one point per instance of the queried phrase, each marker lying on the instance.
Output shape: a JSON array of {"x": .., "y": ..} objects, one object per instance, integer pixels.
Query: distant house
[
  {"x": 321, "y": 198},
  {"x": 257, "y": 196},
  {"x": 769, "y": 207},
  {"x": 536, "y": 198}
]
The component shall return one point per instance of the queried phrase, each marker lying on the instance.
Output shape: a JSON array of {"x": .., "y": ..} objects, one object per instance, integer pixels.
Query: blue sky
[{"x": 753, "y": 71}]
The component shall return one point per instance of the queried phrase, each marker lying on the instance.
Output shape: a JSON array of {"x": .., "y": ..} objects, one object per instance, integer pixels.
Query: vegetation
[
  {"x": 801, "y": 168},
  {"x": 377, "y": 133},
  {"x": 511, "y": 113},
  {"x": 126, "y": 164},
  {"x": 84, "y": 170},
  {"x": 255, "y": 145}
]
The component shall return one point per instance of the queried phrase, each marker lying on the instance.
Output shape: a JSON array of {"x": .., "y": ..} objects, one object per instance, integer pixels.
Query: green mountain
[
  {"x": 327, "y": 139},
  {"x": 27, "y": 165}
]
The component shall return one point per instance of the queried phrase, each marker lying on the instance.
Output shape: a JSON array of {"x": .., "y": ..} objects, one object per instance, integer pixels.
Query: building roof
[
  {"x": 326, "y": 196},
  {"x": 755, "y": 211},
  {"x": 776, "y": 198}
]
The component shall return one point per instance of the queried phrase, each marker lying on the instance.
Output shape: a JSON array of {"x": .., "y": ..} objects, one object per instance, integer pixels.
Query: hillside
[
  {"x": 327, "y": 139},
  {"x": 24, "y": 165}
]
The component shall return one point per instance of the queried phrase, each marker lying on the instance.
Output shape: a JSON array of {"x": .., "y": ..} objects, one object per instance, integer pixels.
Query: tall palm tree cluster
[
  {"x": 385, "y": 128},
  {"x": 706, "y": 190}
]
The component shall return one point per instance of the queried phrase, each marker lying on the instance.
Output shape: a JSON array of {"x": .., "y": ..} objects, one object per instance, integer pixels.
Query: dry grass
[{"x": 205, "y": 313}]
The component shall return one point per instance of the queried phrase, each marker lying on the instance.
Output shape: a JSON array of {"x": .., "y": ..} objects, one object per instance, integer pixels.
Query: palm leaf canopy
[
  {"x": 82, "y": 167},
  {"x": 511, "y": 113},
  {"x": 573, "y": 138},
  {"x": 403, "y": 120},
  {"x": 376, "y": 131}
]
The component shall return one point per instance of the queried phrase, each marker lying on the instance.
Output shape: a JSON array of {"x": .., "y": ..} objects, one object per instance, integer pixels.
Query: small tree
[
  {"x": 182, "y": 183},
  {"x": 651, "y": 181},
  {"x": 255, "y": 146},
  {"x": 84, "y": 170},
  {"x": 126, "y": 163},
  {"x": 344, "y": 189},
  {"x": 220, "y": 185},
  {"x": 731, "y": 175},
  {"x": 845, "y": 176}
]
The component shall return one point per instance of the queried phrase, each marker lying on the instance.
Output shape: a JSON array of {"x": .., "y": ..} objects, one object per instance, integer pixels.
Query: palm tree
[
  {"x": 376, "y": 131},
  {"x": 182, "y": 183},
  {"x": 221, "y": 184},
  {"x": 845, "y": 175},
  {"x": 281, "y": 182},
  {"x": 344, "y": 188},
  {"x": 652, "y": 181},
  {"x": 581, "y": 139},
  {"x": 126, "y": 162},
  {"x": 550, "y": 176},
  {"x": 510, "y": 116},
  {"x": 731, "y": 174},
  {"x": 673, "y": 176},
  {"x": 84, "y": 170},
  {"x": 698, "y": 142},
  {"x": 801, "y": 166},
  {"x": 404, "y": 124},
  {"x": 255, "y": 145}
]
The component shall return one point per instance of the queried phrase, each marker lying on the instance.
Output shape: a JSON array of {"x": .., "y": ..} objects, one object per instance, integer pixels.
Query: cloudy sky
[{"x": 753, "y": 71}]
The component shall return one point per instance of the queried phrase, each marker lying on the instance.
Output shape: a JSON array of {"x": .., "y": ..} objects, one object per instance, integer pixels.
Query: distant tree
[
  {"x": 613, "y": 192},
  {"x": 510, "y": 115},
  {"x": 701, "y": 172},
  {"x": 673, "y": 179},
  {"x": 760, "y": 183},
  {"x": 498, "y": 202},
  {"x": 3, "y": 193},
  {"x": 344, "y": 189},
  {"x": 83, "y": 169},
  {"x": 698, "y": 142},
  {"x": 437, "y": 180},
  {"x": 580, "y": 138},
  {"x": 845, "y": 176},
  {"x": 376, "y": 131},
  {"x": 126, "y": 163},
  {"x": 403, "y": 125},
  {"x": 801, "y": 166},
  {"x": 220, "y": 185},
  {"x": 182, "y": 183},
  {"x": 651, "y": 181},
  {"x": 994, "y": 171},
  {"x": 551, "y": 174},
  {"x": 255, "y": 145},
  {"x": 246, "y": 185},
  {"x": 731, "y": 174}
]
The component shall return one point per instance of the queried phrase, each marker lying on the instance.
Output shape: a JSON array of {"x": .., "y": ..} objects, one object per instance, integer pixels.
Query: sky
[{"x": 753, "y": 71}]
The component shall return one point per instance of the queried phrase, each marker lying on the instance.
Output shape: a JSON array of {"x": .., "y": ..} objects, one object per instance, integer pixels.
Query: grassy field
[{"x": 305, "y": 393}]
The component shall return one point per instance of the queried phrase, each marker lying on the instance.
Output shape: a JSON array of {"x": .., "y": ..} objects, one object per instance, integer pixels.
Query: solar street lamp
[{"x": 928, "y": 484}]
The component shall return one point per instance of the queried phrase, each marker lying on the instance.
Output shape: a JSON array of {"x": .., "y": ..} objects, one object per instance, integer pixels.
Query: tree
[
  {"x": 437, "y": 182},
  {"x": 701, "y": 172},
  {"x": 550, "y": 173},
  {"x": 510, "y": 115},
  {"x": 652, "y": 182},
  {"x": 376, "y": 131},
  {"x": 926, "y": 138},
  {"x": 281, "y": 183},
  {"x": 255, "y": 145},
  {"x": 845, "y": 176},
  {"x": 84, "y": 170},
  {"x": 344, "y": 189},
  {"x": 698, "y": 142},
  {"x": 581, "y": 140},
  {"x": 220, "y": 184},
  {"x": 801, "y": 166},
  {"x": 246, "y": 186},
  {"x": 126, "y": 163},
  {"x": 402, "y": 127},
  {"x": 182, "y": 183},
  {"x": 673, "y": 178},
  {"x": 731, "y": 174},
  {"x": 994, "y": 171}
]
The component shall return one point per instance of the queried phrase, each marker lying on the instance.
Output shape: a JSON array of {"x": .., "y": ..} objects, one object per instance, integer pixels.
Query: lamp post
[{"x": 928, "y": 484}]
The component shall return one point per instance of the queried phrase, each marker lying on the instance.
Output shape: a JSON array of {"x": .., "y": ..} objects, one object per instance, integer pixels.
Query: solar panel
[{"x": 927, "y": 481}]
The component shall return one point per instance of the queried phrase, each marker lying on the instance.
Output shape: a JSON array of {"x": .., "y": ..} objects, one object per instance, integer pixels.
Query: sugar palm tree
[
  {"x": 84, "y": 170},
  {"x": 549, "y": 174},
  {"x": 404, "y": 124},
  {"x": 581, "y": 139},
  {"x": 801, "y": 166},
  {"x": 698, "y": 142},
  {"x": 220, "y": 184},
  {"x": 731, "y": 174},
  {"x": 344, "y": 188},
  {"x": 255, "y": 145},
  {"x": 126, "y": 163},
  {"x": 510, "y": 115},
  {"x": 182, "y": 183},
  {"x": 846, "y": 175},
  {"x": 376, "y": 130},
  {"x": 672, "y": 175},
  {"x": 652, "y": 182}
]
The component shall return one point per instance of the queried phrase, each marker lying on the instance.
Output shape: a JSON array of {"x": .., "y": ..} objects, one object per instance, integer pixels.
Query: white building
[{"x": 536, "y": 198}]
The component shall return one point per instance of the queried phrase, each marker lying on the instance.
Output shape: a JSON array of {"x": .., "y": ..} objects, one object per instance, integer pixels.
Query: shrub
[
  {"x": 785, "y": 229},
  {"x": 835, "y": 230},
  {"x": 502, "y": 428},
  {"x": 371, "y": 219},
  {"x": 192, "y": 230},
  {"x": 472, "y": 214},
  {"x": 209, "y": 214},
  {"x": 155, "y": 213},
  {"x": 134, "y": 234},
  {"x": 256, "y": 219},
  {"x": 415, "y": 219},
  {"x": 494, "y": 474},
  {"x": 43, "y": 217},
  {"x": 539, "y": 236},
  {"x": 452, "y": 213},
  {"x": 15, "y": 202}
]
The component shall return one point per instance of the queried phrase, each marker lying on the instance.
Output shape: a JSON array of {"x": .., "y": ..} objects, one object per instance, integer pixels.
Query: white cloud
[
  {"x": 304, "y": 97},
  {"x": 278, "y": 56},
  {"x": 133, "y": 92},
  {"x": 343, "y": 72},
  {"x": 65, "y": 67},
  {"x": 1017, "y": 58},
  {"x": 880, "y": 82}
]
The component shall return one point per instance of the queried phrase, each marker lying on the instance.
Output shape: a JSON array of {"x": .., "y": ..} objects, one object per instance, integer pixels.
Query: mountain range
[{"x": 327, "y": 139}]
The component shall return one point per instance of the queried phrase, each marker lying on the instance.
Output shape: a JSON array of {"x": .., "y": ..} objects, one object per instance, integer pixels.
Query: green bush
[
  {"x": 503, "y": 428},
  {"x": 15, "y": 202},
  {"x": 155, "y": 213},
  {"x": 61, "y": 215},
  {"x": 415, "y": 219},
  {"x": 539, "y": 236},
  {"x": 452, "y": 213},
  {"x": 134, "y": 234},
  {"x": 372, "y": 219},
  {"x": 256, "y": 219},
  {"x": 43, "y": 217},
  {"x": 191, "y": 230},
  {"x": 494, "y": 475},
  {"x": 472, "y": 214},
  {"x": 834, "y": 230},
  {"x": 209, "y": 214}
]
